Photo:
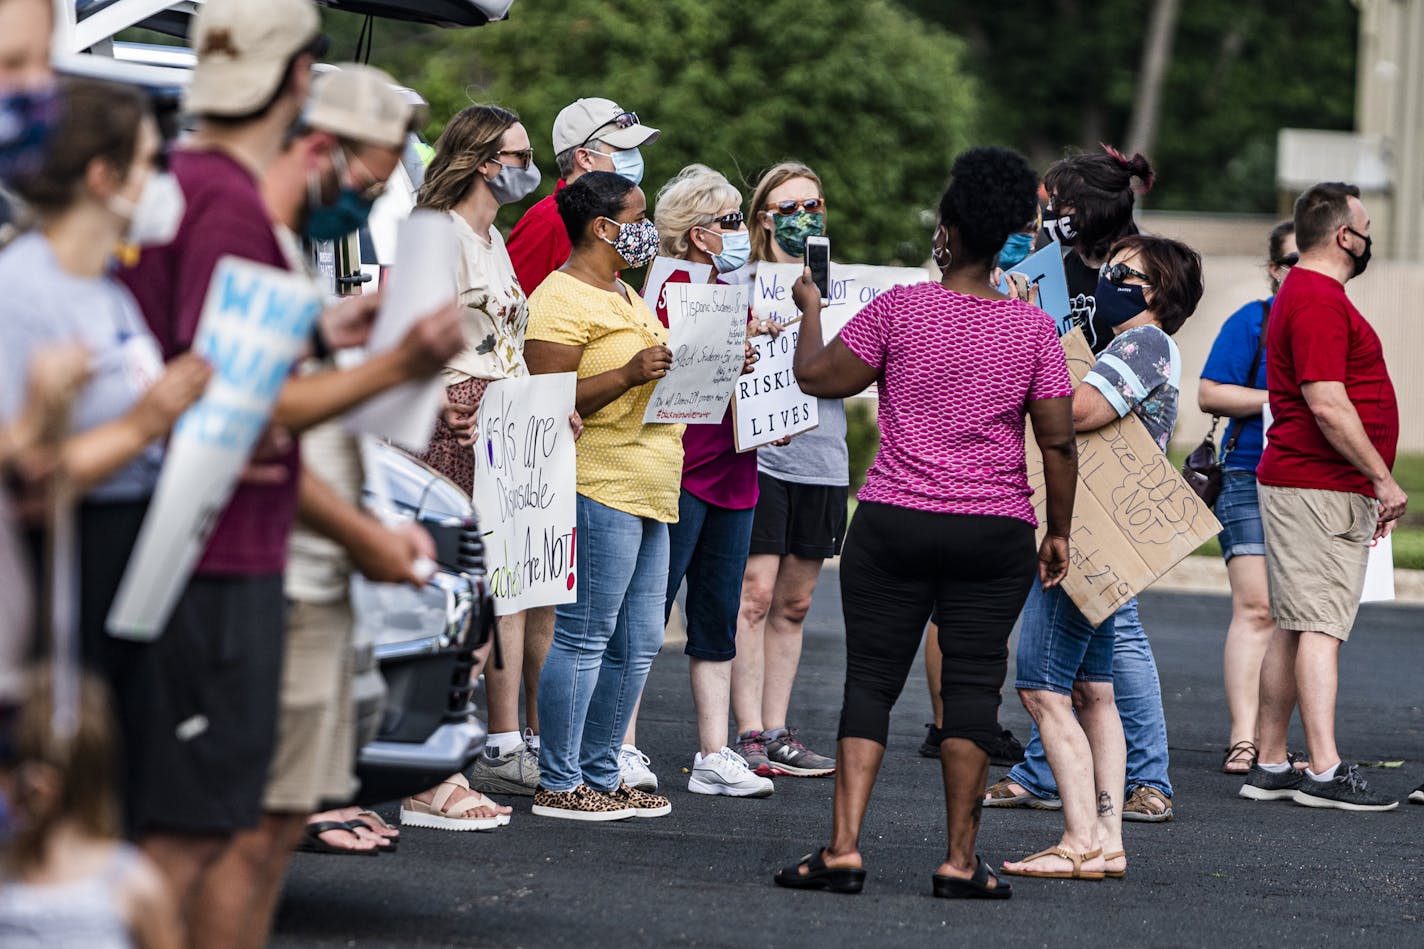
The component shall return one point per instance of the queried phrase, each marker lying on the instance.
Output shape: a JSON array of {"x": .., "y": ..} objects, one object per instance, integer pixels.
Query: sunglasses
[
  {"x": 622, "y": 120},
  {"x": 523, "y": 155},
  {"x": 788, "y": 208},
  {"x": 1289, "y": 260},
  {"x": 1117, "y": 274},
  {"x": 731, "y": 222}
]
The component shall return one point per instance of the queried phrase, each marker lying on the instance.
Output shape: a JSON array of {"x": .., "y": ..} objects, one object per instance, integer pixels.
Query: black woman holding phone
[{"x": 945, "y": 526}]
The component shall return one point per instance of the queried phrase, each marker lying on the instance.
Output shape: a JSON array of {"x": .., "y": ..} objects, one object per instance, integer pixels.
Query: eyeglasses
[
  {"x": 788, "y": 208},
  {"x": 622, "y": 120},
  {"x": 523, "y": 155},
  {"x": 731, "y": 222},
  {"x": 374, "y": 186},
  {"x": 1289, "y": 260},
  {"x": 1117, "y": 274}
]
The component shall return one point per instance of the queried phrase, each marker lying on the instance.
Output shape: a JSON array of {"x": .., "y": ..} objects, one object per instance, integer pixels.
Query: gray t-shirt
[
  {"x": 819, "y": 456},
  {"x": 41, "y": 304}
]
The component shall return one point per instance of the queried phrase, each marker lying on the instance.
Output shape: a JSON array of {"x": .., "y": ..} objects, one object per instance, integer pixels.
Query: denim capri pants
[
  {"x": 1058, "y": 646},
  {"x": 1240, "y": 514}
]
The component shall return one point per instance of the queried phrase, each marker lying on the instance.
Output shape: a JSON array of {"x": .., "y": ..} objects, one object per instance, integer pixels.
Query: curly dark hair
[
  {"x": 593, "y": 195},
  {"x": 1174, "y": 272},
  {"x": 1098, "y": 187},
  {"x": 992, "y": 193}
]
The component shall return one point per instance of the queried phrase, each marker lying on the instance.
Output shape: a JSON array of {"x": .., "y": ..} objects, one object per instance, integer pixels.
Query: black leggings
[{"x": 900, "y": 566}]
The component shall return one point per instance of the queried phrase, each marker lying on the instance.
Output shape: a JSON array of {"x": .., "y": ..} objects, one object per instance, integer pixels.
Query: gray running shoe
[
  {"x": 1346, "y": 791},
  {"x": 1263, "y": 785},
  {"x": 788, "y": 756},
  {"x": 514, "y": 773},
  {"x": 752, "y": 747}
]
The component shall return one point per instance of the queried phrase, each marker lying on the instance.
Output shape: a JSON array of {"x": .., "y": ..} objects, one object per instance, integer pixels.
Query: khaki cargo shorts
[
  {"x": 316, "y": 729},
  {"x": 1317, "y": 546}
]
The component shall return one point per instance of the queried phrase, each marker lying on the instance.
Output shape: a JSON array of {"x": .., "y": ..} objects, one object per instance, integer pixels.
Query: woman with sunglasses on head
[
  {"x": 584, "y": 319},
  {"x": 1148, "y": 288},
  {"x": 483, "y": 161},
  {"x": 800, "y": 515},
  {"x": 1233, "y": 384},
  {"x": 945, "y": 527}
]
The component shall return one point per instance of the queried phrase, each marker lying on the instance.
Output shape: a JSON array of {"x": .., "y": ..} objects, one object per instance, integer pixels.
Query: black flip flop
[
  {"x": 819, "y": 876},
  {"x": 353, "y": 824},
  {"x": 975, "y": 888},
  {"x": 311, "y": 841}
]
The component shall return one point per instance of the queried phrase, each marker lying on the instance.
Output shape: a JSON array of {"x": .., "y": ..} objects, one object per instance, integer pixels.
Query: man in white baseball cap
[{"x": 590, "y": 135}]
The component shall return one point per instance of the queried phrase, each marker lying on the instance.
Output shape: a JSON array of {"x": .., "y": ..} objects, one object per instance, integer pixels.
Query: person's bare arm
[
  {"x": 595, "y": 392},
  {"x": 1340, "y": 424},
  {"x": 382, "y": 554},
  {"x": 827, "y": 372},
  {"x": 1091, "y": 409},
  {"x": 152, "y": 912},
  {"x": 1054, "y": 433},
  {"x": 1233, "y": 401}
]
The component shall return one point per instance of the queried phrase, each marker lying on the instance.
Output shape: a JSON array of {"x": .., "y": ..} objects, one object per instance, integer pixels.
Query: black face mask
[
  {"x": 1061, "y": 228},
  {"x": 1361, "y": 260}
]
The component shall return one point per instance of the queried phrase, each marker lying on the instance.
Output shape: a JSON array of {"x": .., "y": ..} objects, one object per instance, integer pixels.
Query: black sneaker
[
  {"x": 929, "y": 748},
  {"x": 1346, "y": 791},
  {"x": 1263, "y": 785},
  {"x": 1417, "y": 795},
  {"x": 1004, "y": 750}
]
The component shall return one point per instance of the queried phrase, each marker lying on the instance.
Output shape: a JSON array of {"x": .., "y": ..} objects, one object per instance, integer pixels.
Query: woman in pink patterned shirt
[{"x": 945, "y": 527}]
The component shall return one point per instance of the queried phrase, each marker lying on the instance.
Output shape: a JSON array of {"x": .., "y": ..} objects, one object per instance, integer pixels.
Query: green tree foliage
[
  {"x": 874, "y": 99},
  {"x": 1061, "y": 74}
]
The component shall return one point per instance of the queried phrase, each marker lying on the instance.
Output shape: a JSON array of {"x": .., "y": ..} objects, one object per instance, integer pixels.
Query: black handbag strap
[{"x": 1250, "y": 377}]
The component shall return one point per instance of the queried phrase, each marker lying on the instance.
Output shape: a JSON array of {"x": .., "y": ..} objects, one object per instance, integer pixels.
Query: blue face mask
[
  {"x": 629, "y": 164},
  {"x": 1118, "y": 304},
  {"x": 329, "y": 222},
  {"x": 736, "y": 251},
  {"x": 1015, "y": 250},
  {"x": 27, "y": 116}
]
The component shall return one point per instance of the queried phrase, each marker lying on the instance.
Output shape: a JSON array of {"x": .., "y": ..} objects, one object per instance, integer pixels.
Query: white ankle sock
[
  {"x": 1329, "y": 773},
  {"x": 1281, "y": 768},
  {"x": 501, "y": 743}
]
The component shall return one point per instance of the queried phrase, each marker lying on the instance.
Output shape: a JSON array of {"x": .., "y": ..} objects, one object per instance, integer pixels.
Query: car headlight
[{"x": 399, "y": 620}]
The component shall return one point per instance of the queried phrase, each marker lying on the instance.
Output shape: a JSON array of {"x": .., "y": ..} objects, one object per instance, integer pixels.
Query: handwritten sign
[
  {"x": 422, "y": 282},
  {"x": 1043, "y": 270},
  {"x": 852, "y": 287},
  {"x": 1134, "y": 517},
  {"x": 524, "y": 490},
  {"x": 670, "y": 270},
  {"x": 768, "y": 404},
  {"x": 707, "y": 331},
  {"x": 256, "y": 321}
]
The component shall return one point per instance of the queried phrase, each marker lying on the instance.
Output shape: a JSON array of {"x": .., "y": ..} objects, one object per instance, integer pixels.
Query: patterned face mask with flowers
[{"x": 791, "y": 230}]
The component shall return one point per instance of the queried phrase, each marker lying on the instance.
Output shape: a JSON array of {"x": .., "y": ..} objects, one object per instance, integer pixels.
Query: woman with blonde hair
[
  {"x": 483, "y": 161},
  {"x": 699, "y": 218},
  {"x": 800, "y": 516}
]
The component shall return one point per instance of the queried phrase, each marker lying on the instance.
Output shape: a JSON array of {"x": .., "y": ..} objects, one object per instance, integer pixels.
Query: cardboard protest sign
[
  {"x": 256, "y": 321},
  {"x": 1134, "y": 517},
  {"x": 525, "y": 490},
  {"x": 707, "y": 332},
  {"x": 670, "y": 270},
  {"x": 852, "y": 287},
  {"x": 423, "y": 281},
  {"x": 767, "y": 402},
  {"x": 1043, "y": 270}
]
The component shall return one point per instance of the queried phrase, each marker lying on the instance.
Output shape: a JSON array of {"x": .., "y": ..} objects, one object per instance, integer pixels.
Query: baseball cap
[
  {"x": 601, "y": 119},
  {"x": 362, "y": 104},
  {"x": 244, "y": 48}
]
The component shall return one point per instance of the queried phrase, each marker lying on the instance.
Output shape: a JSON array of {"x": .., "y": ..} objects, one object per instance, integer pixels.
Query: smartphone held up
[{"x": 818, "y": 258}]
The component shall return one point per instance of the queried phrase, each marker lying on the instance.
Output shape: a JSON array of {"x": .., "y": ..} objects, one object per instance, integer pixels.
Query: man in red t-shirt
[
  {"x": 1326, "y": 493},
  {"x": 590, "y": 135}
]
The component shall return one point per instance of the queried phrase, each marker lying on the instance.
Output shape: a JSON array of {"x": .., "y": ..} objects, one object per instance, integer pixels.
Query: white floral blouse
[{"x": 495, "y": 312}]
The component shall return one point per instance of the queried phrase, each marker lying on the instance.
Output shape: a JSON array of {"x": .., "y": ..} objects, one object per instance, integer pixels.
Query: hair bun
[{"x": 1137, "y": 166}]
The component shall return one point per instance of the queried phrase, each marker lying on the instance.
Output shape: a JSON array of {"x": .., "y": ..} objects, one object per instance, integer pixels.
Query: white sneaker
[
  {"x": 727, "y": 772},
  {"x": 633, "y": 768}
]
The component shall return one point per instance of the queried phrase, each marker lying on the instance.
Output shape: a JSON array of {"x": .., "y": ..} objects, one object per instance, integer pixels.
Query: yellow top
[{"x": 622, "y": 463}]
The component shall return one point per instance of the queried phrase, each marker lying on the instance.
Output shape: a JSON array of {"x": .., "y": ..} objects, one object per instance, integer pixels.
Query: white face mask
[{"x": 154, "y": 220}]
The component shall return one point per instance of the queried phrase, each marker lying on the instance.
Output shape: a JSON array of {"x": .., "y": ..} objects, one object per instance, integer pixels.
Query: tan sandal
[
  {"x": 441, "y": 814},
  {"x": 1115, "y": 855},
  {"x": 1077, "y": 859},
  {"x": 1238, "y": 758}
]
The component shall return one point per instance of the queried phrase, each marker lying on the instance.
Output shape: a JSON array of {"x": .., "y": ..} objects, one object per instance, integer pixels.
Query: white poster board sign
[
  {"x": 423, "y": 281},
  {"x": 768, "y": 404},
  {"x": 525, "y": 490},
  {"x": 256, "y": 321},
  {"x": 670, "y": 270},
  {"x": 707, "y": 333},
  {"x": 852, "y": 287}
]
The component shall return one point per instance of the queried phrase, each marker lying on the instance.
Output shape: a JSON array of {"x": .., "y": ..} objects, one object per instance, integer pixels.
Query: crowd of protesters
[{"x": 163, "y": 791}]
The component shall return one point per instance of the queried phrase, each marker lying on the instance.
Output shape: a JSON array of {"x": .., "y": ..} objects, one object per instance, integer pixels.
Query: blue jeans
[
  {"x": 1139, "y": 702},
  {"x": 1058, "y": 646},
  {"x": 1239, "y": 511},
  {"x": 604, "y": 644},
  {"x": 708, "y": 545}
]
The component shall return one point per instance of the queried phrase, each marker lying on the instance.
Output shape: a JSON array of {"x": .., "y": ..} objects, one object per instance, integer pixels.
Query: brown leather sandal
[
  {"x": 1077, "y": 859},
  {"x": 1238, "y": 758},
  {"x": 1115, "y": 855}
]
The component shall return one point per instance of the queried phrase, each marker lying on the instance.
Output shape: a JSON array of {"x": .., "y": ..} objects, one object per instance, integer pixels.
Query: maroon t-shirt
[
  {"x": 225, "y": 215},
  {"x": 1317, "y": 335}
]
